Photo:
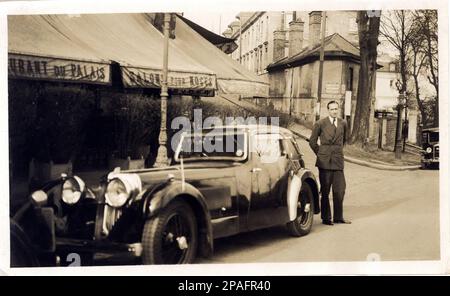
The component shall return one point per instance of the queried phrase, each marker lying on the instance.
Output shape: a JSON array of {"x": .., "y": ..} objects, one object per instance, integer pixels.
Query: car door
[{"x": 266, "y": 206}]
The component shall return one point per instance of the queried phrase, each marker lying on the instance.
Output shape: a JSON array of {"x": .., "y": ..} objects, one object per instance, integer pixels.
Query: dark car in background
[{"x": 430, "y": 147}]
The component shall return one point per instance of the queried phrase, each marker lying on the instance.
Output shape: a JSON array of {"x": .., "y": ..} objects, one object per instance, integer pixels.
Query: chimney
[
  {"x": 234, "y": 26},
  {"x": 279, "y": 43},
  {"x": 227, "y": 33},
  {"x": 295, "y": 37},
  {"x": 315, "y": 20}
]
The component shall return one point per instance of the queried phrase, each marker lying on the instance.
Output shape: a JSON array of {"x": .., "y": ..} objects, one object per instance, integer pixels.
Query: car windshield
[
  {"x": 213, "y": 145},
  {"x": 434, "y": 137}
]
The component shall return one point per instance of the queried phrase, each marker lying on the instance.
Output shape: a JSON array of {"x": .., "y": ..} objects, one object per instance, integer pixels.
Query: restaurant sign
[
  {"x": 145, "y": 77},
  {"x": 46, "y": 68}
]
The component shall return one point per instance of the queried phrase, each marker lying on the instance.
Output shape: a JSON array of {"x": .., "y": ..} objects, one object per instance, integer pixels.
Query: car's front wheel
[
  {"x": 171, "y": 236},
  {"x": 305, "y": 213}
]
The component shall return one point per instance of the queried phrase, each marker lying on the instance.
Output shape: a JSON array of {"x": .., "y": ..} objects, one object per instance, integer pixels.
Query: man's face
[{"x": 333, "y": 110}]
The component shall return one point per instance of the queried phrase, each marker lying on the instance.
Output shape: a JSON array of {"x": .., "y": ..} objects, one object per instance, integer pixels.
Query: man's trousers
[{"x": 336, "y": 180}]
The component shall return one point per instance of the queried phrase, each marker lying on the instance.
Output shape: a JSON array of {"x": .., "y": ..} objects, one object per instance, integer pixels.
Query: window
[
  {"x": 291, "y": 148},
  {"x": 266, "y": 57},
  {"x": 267, "y": 146},
  {"x": 350, "y": 79},
  {"x": 261, "y": 32},
  {"x": 392, "y": 67}
]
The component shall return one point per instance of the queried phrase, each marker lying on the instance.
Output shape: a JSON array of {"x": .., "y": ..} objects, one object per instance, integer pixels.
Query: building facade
[
  {"x": 256, "y": 34},
  {"x": 283, "y": 47}
]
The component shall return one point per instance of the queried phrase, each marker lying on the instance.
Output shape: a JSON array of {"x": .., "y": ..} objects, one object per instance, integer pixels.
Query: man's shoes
[
  {"x": 342, "y": 221},
  {"x": 327, "y": 222}
]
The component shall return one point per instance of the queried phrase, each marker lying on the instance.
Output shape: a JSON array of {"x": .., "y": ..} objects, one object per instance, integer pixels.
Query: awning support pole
[{"x": 162, "y": 159}]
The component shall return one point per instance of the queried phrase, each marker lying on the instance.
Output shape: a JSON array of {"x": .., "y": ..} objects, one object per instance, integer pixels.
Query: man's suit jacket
[{"x": 330, "y": 155}]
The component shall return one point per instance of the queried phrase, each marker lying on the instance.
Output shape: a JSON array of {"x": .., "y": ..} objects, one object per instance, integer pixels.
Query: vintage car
[
  {"x": 222, "y": 182},
  {"x": 430, "y": 147},
  {"x": 64, "y": 208}
]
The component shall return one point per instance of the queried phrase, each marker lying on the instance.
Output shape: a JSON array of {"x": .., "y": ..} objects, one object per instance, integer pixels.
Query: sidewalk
[{"x": 305, "y": 133}]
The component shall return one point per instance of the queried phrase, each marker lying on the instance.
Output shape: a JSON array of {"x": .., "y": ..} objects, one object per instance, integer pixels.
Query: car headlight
[
  {"x": 120, "y": 188},
  {"x": 429, "y": 150},
  {"x": 116, "y": 193},
  {"x": 39, "y": 197},
  {"x": 72, "y": 189}
]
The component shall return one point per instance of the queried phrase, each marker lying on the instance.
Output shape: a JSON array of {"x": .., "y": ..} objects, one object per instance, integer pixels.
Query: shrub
[
  {"x": 59, "y": 129},
  {"x": 136, "y": 119}
]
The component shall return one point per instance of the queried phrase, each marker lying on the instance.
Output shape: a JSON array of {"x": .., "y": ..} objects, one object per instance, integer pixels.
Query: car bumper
[
  {"x": 430, "y": 160},
  {"x": 102, "y": 246}
]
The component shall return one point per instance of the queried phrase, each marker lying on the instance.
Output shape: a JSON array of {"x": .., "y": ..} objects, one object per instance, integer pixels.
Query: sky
[{"x": 216, "y": 22}]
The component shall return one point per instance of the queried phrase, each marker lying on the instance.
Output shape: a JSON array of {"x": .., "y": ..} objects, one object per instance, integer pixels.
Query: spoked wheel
[
  {"x": 171, "y": 236},
  {"x": 305, "y": 213}
]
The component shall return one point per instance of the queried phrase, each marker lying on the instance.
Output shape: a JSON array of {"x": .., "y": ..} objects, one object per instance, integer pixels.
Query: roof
[{"x": 336, "y": 47}]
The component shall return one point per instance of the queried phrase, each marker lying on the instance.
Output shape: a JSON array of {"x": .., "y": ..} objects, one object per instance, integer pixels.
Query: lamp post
[
  {"x": 162, "y": 159},
  {"x": 398, "y": 140}
]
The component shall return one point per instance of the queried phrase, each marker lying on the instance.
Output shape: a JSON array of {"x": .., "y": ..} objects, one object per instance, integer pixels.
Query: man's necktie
[{"x": 334, "y": 125}]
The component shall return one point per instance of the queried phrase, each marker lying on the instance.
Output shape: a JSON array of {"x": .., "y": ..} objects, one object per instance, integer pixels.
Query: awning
[
  {"x": 226, "y": 45},
  {"x": 82, "y": 47},
  {"x": 232, "y": 77}
]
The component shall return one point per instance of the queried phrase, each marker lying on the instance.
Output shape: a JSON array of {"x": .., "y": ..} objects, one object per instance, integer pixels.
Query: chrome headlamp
[
  {"x": 39, "y": 197},
  {"x": 121, "y": 187},
  {"x": 72, "y": 188},
  {"x": 429, "y": 150}
]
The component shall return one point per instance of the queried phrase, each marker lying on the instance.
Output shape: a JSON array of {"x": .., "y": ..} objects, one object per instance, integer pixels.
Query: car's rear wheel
[
  {"x": 305, "y": 213},
  {"x": 171, "y": 236},
  {"x": 22, "y": 251}
]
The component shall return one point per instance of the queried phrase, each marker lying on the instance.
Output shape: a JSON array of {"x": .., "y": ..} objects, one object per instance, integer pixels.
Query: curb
[{"x": 384, "y": 167}]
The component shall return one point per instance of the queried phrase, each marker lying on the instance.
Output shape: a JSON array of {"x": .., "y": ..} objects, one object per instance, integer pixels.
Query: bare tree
[
  {"x": 418, "y": 64},
  {"x": 426, "y": 23},
  {"x": 368, "y": 31},
  {"x": 396, "y": 28}
]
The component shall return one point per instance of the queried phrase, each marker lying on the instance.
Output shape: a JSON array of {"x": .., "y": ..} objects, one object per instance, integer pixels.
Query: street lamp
[
  {"x": 162, "y": 159},
  {"x": 398, "y": 133}
]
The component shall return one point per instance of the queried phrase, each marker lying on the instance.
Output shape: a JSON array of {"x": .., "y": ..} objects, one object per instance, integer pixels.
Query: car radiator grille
[
  {"x": 110, "y": 217},
  {"x": 436, "y": 151}
]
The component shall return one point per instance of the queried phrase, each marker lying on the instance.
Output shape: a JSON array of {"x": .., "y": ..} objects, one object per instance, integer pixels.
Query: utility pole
[
  {"x": 162, "y": 159},
  {"x": 322, "y": 55},
  {"x": 240, "y": 40}
]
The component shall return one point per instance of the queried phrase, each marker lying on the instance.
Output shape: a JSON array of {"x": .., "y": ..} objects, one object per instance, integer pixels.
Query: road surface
[{"x": 394, "y": 214}]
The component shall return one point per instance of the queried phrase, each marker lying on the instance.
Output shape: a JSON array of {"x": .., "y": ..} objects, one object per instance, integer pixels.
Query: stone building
[{"x": 283, "y": 48}]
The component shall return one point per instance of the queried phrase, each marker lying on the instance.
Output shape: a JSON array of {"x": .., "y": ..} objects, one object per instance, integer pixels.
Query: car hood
[{"x": 192, "y": 171}]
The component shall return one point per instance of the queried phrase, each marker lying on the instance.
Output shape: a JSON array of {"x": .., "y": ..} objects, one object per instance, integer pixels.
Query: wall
[
  {"x": 386, "y": 91},
  {"x": 258, "y": 28},
  {"x": 333, "y": 87},
  {"x": 343, "y": 23},
  {"x": 298, "y": 88}
]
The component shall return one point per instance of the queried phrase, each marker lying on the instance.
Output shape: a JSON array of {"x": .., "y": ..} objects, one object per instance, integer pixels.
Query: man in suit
[{"x": 332, "y": 132}]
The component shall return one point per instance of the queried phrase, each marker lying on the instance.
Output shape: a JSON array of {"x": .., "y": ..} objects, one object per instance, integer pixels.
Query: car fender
[
  {"x": 295, "y": 183},
  {"x": 159, "y": 197}
]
